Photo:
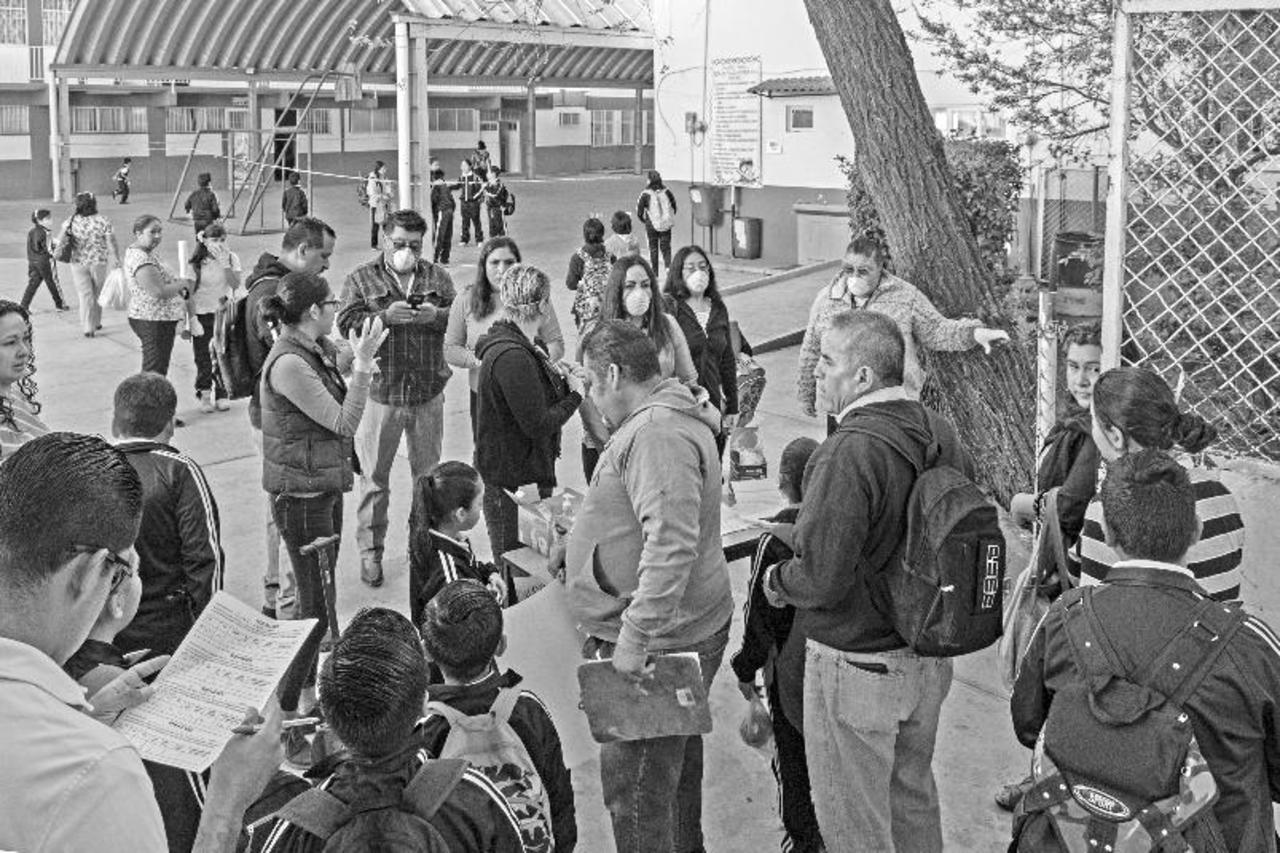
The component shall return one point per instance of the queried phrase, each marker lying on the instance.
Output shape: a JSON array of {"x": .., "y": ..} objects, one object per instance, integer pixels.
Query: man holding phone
[{"x": 412, "y": 296}]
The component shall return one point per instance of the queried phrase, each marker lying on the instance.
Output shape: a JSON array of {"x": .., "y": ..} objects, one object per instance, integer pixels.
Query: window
[
  {"x": 648, "y": 128},
  {"x": 13, "y": 22},
  {"x": 970, "y": 123},
  {"x": 108, "y": 119},
  {"x": 238, "y": 119},
  {"x": 570, "y": 119},
  {"x": 362, "y": 122},
  {"x": 799, "y": 119},
  {"x": 604, "y": 128},
  {"x": 191, "y": 119},
  {"x": 317, "y": 122},
  {"x": 54, "y": 15},
  {"x": 489, "y": 119},
  {"x": 966, "y": 122},
  {"x": 618, "y": 127},
  {"x": 450, "y": 118},
  {"x": 14, "y": 120}
]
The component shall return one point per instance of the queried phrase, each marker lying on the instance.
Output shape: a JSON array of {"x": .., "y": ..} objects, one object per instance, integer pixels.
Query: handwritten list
[{"x": 232, "y": 659}]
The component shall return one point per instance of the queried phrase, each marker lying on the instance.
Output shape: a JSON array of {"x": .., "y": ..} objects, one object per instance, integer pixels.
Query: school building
[{"x": 86, "y": 83}]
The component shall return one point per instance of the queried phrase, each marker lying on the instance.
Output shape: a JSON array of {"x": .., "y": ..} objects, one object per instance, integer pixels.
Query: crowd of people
[{"x": 110, "y": 551}]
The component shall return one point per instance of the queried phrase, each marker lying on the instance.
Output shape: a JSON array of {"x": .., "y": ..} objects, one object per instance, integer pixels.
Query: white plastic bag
[{"x": 115, "y": 291}]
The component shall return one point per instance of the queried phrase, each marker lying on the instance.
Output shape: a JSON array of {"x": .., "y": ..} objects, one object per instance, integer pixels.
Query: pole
[
  {"x": 55, "y": 137},
  {"x": 64, "y": 138},
  {"x": 531, "y": 119},
  {"x": 1046, "y": 366},
  {"x": 1117, "y": 194},
  {"x": 639, "y": 131},
  {"x": 404, "y": 115}
]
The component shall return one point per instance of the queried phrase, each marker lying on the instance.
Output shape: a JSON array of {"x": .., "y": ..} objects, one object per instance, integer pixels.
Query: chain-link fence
[
  {"x": 1199, "y": 240},
  {"x": 1075, "y": 202}
]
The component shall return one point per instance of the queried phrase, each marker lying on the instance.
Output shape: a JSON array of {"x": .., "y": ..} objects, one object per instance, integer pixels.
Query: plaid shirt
[{"x": 411, "y": 361}]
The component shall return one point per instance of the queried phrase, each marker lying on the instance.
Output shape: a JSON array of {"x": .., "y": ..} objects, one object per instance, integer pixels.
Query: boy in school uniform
[
  {"x": 442, "y": 207},
  {"x": 462, "y": 632},
  {"x": 765, "y": 635}
]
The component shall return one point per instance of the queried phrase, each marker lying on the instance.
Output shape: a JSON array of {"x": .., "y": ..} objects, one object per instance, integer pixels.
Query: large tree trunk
[{"x": 990, "y": 399}]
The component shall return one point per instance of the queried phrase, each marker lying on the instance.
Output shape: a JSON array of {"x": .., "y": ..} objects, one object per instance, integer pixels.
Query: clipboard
[{"x": 672, "y": 702}]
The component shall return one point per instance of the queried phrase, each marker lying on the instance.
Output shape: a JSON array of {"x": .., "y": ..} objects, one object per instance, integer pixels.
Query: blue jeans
[
  {"x": 653, "y": 788},
  {"x": 870, "y": 723},
  {"x": 377, "y": 441}
]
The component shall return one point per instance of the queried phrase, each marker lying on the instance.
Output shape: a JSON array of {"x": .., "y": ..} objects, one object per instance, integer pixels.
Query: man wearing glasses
[
  {"x": 70, "y": 508},
  {"x": 412, "y": 296}
]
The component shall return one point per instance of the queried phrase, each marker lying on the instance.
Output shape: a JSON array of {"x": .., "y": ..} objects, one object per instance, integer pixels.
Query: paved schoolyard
[{"x": 77, "y": 377}]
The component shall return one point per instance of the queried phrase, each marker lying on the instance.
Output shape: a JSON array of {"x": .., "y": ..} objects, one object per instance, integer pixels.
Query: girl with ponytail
[
  {"x": 1133, "y": 409},
  {"x": 446, "y": 503}
]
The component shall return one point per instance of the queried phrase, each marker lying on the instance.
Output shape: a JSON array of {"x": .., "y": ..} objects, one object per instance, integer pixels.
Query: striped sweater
[
  {"x": 21, "y": 427},
  {"x": 1214, "y": 560},
  {"x": 920, "y": 323}
]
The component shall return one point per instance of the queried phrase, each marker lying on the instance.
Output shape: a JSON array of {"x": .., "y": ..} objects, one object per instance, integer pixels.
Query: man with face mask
[{"x": 412, "y": 296}]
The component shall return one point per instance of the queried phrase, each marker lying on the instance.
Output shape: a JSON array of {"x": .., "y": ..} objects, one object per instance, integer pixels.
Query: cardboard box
[{"x": 537, "y": 518}]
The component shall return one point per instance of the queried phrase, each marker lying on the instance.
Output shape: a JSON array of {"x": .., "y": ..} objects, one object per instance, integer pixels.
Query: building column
[
  {"x": 638, "y": 124},
  {"x": 531, "y": 133},
  {"x": 420, "y": 150},
  {"x": 63, "y": 159},
  {"x": 404, "y": 115}
]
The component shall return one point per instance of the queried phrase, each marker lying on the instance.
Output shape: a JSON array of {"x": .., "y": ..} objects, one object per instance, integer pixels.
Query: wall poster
[{"x": 735, "y": 129}]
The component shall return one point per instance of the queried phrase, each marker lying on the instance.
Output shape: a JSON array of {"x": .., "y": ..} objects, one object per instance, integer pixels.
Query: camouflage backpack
[
  {"x": 587, "y": 301},
  {"x": 489, "y": 743},
  {"x": 1117, "y": 766}
]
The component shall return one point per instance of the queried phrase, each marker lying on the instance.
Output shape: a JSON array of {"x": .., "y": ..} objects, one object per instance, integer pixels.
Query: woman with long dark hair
[
  {"x": 1133, "y": 409},
  {"x": 694, "y": 300},
  {"x": 632, "y": 294},
  {"x": 476, "y": 309},
  {"x": 309, "y": 420},
  {"x": 19, "y": 421}
]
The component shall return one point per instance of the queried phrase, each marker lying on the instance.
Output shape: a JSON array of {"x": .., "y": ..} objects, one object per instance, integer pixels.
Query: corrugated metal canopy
[
  {"x": 485, "y": 40},
  {"x": 781, "y": 87}
]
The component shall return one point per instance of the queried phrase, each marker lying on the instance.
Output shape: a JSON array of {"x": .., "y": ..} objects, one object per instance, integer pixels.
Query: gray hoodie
[{"x": 645, "y": 566}]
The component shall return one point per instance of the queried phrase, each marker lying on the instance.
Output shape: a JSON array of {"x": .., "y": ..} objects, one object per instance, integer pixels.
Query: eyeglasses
[
  {"x": 122, "y": 567},
  {"x": 328, "y": 302},
  {"x": 416, "y": 245}
]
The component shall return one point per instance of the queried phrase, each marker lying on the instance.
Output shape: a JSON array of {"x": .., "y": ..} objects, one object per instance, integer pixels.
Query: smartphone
[{"x": 415, "y": 300}]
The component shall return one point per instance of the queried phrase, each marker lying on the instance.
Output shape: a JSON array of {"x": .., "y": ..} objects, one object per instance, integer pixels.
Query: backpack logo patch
[
  {"x": 1101, "y": 803},
  {"x": 992, "y": 577}
]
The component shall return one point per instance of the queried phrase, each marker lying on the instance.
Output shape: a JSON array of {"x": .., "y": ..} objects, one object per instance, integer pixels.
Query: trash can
[
  {"x": 746, "y": 237},
  {"x": 707, "y": 201},
  {"x": 1077, "y": 259}
]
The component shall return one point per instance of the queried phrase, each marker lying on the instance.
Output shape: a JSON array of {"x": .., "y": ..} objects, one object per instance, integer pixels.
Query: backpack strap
[
  {"x": 315, "y": 811},
  {"x": 505, "y": 704},
  {"x": 451, "y": 714},
  {"x": 431, "y": 786},
  {"x": 1091, "y": 654},
  {"x": 850, "y": 429},
  {"x": 1190, "y": 656}
]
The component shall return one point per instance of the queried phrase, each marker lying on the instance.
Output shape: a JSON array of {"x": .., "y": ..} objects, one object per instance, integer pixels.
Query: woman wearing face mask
[
  {"x": 157, "y": 297},
  {"x": 524, "y": 402},
  {"x": 632, "y": 295},
  {"x": 475, "y": 309},
  {"x": 1133, "y": 409},
  {"x": 695, "y": 302},
  {"x": 863, "y": 284},
  {"x": 18, "y": 407}
]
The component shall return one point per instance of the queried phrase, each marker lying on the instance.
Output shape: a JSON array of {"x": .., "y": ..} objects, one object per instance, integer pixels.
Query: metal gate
[{"x": 1192, "y": 271}]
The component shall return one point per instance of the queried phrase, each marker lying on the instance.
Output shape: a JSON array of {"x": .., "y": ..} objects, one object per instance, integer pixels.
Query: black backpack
[
  {"x": 1117, "y": 765},
  {"x": 945, "y": 587},
  {"x": 384, "y": 818},
  {"x": 231, "y": 331}
]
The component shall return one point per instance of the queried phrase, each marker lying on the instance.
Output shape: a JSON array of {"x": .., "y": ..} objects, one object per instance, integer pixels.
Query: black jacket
[
  {"x": 1235, "y": 712},
  {"x": 179, "y": 544},
  {"x": 442, "y": 199},
  {"x": 203, "y": 205},
  {"x": 294, "y": 203},
  {"x": 435, "y": 560},
  {"x": 260, "y": 284},
  {"x": 1069, "y": 459},
  {"x": 852, "y": 522},
  {"x": 712, "y": 352},
  {"x": 532, "y": 724},
  {"x": 38, "y": 245},
  {"x": 764, "y": 628},
  {"x": 472, "y": 188},
  {"x": 522, "y": 405}
]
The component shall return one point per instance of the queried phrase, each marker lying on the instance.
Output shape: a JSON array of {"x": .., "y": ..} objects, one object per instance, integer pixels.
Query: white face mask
[
  {"x": 697, "y": 282},
  {"x": 637, "y": 301},
  {"x": 404, "y": 260}
]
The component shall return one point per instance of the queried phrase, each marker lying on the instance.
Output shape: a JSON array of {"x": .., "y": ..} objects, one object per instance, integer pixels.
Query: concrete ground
[{"x": 976, "y": 749}]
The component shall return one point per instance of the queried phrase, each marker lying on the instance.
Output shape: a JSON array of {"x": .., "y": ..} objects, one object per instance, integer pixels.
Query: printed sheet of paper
[
  {"x": 545, "y": 648},
  {"x": 233, "y": 659},
  {"x": 731, "y": 521}
]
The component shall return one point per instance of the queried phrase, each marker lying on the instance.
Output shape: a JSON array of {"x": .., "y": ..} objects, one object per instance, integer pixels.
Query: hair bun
[
  {"x": 1191, "y": 432},
  {"x": 1151, "y": 467}
]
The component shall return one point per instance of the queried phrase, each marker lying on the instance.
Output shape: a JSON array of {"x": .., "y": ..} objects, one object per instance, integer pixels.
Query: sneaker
[
  {"x": 222, "y": 404},
  {"x": 371, "y": 571},
  {"x": 206, "y": 402}
]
